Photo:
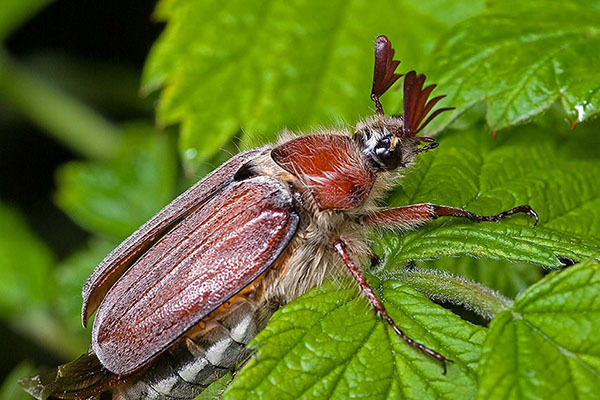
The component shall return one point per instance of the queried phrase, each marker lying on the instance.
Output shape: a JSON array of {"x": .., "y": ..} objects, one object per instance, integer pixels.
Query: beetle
[{"x": 179, "y": 299}]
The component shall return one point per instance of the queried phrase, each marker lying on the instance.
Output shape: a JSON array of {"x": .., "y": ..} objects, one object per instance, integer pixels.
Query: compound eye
[
  {"x": 383, "y": 147},
  {"x": 390, "y": 159}
]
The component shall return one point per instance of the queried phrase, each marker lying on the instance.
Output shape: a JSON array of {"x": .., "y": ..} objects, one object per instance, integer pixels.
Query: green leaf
[
  {"x": 28, "y": 287},
  {"x": 215, "y": 389},
  {"x": 550, "y": 171},
  {"x": 258, "y": 67},
  {"x": 547, "y": 346},
  {"x": 14, "y": 12},
  {"x": 115, "y": 197},
  {"x": 330, "y": 344},
  {"x": 25, "y": 262},
  {"x": 56, "y": 112},
  {"x": 520, "y": 58}
]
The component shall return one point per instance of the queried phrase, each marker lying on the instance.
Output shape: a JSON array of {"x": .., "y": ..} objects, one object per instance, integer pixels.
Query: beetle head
[
  {"x": 392, "y": 142},
  {"x": 382, "y": 141}
]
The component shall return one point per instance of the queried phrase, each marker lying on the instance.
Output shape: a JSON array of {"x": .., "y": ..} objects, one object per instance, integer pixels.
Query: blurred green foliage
[
  {"x": 10, "y": 390},
  {"x": 15, "y": 12},
  {"x": 234, "y": 74},
  {"x": 23, "y": 255},
  {"x": 116, "y": 196}
]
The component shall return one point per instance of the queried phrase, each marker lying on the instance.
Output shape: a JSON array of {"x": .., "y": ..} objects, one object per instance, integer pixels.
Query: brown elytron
[
  {"x": 121, "y": 258},
  {"x": 179, "y": 300},
  {"x": 192, "y": 271}
]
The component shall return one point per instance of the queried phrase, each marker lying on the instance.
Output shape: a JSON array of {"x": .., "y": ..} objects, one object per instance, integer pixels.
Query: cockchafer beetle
[{"x": 179, "y": 299}]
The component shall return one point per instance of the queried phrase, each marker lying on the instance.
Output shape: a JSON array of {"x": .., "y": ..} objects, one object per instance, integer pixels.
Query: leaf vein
[{"x": 564, "y": 351}]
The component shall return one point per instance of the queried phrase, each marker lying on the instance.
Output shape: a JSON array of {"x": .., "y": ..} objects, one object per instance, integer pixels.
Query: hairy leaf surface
[{"x": 508, "y": 278}]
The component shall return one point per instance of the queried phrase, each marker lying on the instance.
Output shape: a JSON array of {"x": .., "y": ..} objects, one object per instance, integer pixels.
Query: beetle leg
[
  {"x": 410, "y": 216},
  {"x": 341, "y": 249}
]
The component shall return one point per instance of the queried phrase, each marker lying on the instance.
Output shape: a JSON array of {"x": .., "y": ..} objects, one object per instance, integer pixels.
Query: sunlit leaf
[
  {"x": 547, "y": 346},
  {"x": 520, "y": 57},
  {"x": 258, "y": 67},
  {"x": 329, "y": 344},
  {"x": 550, "y": 171}
]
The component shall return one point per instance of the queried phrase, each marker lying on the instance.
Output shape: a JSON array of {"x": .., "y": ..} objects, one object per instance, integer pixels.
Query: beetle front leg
[
  {"x": 340, "y": 248},
  {"x": 408, "y": 217}
]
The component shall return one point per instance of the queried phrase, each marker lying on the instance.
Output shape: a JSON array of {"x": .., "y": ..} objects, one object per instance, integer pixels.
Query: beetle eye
[
  {"x": 387, "y": 158},
  {"x": 378, "y": 150},
  {"x": 383, "y": 146}
]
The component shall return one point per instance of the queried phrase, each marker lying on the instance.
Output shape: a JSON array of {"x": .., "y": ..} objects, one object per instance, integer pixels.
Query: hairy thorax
[{"x": 310, "y": 257}]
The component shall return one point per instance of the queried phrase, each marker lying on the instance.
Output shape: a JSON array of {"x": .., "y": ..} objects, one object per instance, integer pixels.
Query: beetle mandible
[{"x": 179, "y": 299}]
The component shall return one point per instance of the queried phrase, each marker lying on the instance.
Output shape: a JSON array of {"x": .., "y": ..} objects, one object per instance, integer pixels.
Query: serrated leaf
[
  {"x": 330, "y": 344},
  {"x": 115, "y": 197},
  {"x": 263, "y": 66},
  {"x": 547, "y": 346},
  {"x": 25, "y": 263},
  {"x": 487, "y": 176},
  {"x": 520, "y": 58},
  {"x": 14, "y": 12}
]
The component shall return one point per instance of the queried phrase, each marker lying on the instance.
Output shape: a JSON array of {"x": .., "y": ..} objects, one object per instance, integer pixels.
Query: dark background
[{"x": 109, "y": 34}]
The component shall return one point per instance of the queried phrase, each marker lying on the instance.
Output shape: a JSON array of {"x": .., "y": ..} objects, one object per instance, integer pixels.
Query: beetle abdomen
[{"x": 201, "y": 358}]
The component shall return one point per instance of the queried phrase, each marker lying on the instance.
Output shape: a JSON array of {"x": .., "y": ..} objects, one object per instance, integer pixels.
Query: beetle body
[
  {"x": 205, "y": 354},
  {"x": 181, "y": 297},
  {"x": 213, "y": 347}
]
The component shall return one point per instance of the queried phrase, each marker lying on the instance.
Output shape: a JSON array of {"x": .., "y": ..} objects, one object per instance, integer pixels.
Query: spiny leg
[
  {"x": 409, "y": 216},
  {"x": 340, "y": 248},
  {"x": 442, "y": 211}
]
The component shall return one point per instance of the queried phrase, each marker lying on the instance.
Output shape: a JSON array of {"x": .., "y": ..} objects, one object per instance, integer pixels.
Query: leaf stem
[
  {"x": 69, "y": 121},
  {"x": 442, "y": 286}
]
